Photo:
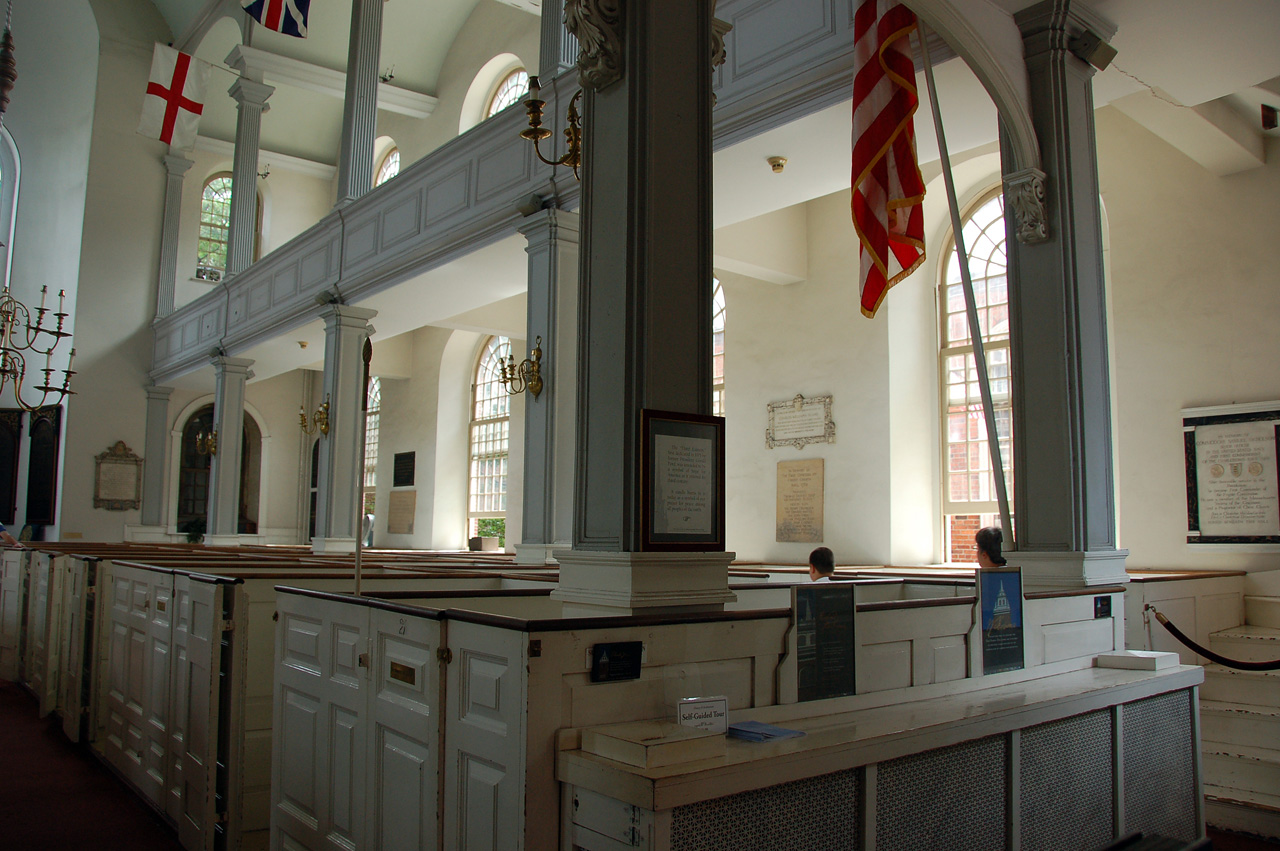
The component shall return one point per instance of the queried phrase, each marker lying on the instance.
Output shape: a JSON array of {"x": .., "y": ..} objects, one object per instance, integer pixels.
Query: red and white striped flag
[
  {"x": 888, "y": 191},
  {"x": 175, "y": 98}
]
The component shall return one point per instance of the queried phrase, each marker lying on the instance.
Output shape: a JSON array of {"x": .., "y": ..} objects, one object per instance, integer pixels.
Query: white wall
[{"x": 1196, "y": 312}]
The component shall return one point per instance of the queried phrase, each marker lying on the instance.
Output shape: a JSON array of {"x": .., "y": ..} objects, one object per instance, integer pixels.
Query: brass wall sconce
[
  {"x": 319, "y": 419},
  {"x": 207, "y": 444},
  {"x": 526, "y": 374},
  {"x": 535, "y": 132}
]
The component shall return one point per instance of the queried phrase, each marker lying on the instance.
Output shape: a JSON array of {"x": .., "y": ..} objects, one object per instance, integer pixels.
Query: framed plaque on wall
[{"x": 681, "y": 482}]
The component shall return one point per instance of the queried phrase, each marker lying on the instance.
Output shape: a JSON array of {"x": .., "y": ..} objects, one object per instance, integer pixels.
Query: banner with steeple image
[{"x": 1000, "y": 600}]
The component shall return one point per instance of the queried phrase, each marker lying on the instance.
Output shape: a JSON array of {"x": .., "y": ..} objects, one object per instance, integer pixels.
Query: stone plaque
[
  {"x": 400, "y": 511},
  {"x": 118, "y": 479},
  {"x": 1236, "y": 478},
  {"x": 800, "y": 422},
  {"x": 800, "y": 501}
]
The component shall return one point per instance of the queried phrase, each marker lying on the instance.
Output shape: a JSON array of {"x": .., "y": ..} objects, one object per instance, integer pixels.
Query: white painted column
[
  {"x": 547, "y": 503},
  {"x": 176, "y": 167},
  {"x": 251, "y": 102},
  {"x": 559, "y": 49},
  {"x": 360, "y": 109},
  {"x": 231, "y": 375},
  {"x": 1064, "y": 502},
  {"x": 644, "y": 308},
  {"x": 345, "y": 330},
  {"x": 154, "y": 464}
]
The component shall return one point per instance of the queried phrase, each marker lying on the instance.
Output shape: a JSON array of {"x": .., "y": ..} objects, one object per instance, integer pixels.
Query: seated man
[
  {"x": 9, "y": 540},
  {"x": 822, "y": 564}
]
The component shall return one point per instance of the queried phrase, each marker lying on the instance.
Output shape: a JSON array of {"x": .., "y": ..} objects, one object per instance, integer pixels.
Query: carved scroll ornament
[
  {"x": 597, "y": 24},
  {"x": 1025, "y": 190}
]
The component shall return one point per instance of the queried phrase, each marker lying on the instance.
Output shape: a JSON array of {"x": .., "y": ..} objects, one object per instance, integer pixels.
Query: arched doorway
[{"x": 193, "y": 475}]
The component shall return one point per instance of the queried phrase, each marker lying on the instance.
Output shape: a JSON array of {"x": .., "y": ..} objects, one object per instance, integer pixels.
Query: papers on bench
[{"x": 758, "y": 731}]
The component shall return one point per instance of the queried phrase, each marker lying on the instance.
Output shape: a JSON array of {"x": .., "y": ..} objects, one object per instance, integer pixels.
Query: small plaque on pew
[
  {"x": 404, "y": 673},
  {"x": 619, "y": 660}
]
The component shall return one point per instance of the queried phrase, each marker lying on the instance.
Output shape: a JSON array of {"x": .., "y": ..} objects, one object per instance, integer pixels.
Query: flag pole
[
  {"x": 367, "y": 355},
  {"x": 975, "y": 330}
]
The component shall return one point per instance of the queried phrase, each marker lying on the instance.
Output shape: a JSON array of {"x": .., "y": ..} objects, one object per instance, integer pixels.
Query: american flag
[
  {"x": 888, "y": 190},
  {"x": 283, "y": 16}
]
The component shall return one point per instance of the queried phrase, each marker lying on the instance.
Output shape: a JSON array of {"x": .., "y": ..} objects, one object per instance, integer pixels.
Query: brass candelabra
[
  {"x": 517, "y": 377},
  {"x": 20, "y": 338},
  {"x": 535, "y": 132},
  {"x": 207, "y": 444},
  {"x": 319, "y": 418}
]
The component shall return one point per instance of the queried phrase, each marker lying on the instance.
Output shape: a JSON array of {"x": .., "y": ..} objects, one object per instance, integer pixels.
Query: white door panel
[
  {"x": 193, "y": 736},
  {"x": 54, "y": 636},
  {"x": 71, "y": 702},
  {"x": 10, "y": 613}
]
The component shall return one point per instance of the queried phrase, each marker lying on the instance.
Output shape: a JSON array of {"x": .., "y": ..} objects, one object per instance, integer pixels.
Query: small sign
[
  {"x": 823, "y": 613},
  {"x": 704, "y": 713},
  {"x": 619, "y": 660},
  {"x": 402, "y": 469},
  {"x": 1102, "y": 607},
  {"x": 1000, "y": 596},
  {"x": 404, "y": 673}
]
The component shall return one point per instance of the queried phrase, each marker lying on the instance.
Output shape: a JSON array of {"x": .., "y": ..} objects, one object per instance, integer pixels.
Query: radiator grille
[
  {"x": 948, "y": 798},
  {"x": 815, "y": 814},
  {"x": 1067, "y": 784},
  {"x": 1159, "y": 780}
]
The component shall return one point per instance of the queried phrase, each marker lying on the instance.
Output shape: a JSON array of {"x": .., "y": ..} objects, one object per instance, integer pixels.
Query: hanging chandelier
[{"x": 20, "y": 339}]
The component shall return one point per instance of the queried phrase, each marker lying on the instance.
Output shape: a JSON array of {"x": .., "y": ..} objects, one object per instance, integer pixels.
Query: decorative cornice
[
  {"x": 597, "y": 24},
  {"x": 1025, "y": 191},
  {"x": 719, "y": 29}
]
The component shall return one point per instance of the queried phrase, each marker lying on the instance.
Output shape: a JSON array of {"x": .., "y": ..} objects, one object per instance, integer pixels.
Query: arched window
[
  {"x": 390, "y": 167},
  {"x": 968, "y": 488},
  {"x": 215, "y": 225},
  {"x": 372, "y": 416},
  {"x": 717, "y": 349},
  {"x": 9, "y": 175},
  {"x": 490, "y": 439},
  {"x": 513, "y": 87}
]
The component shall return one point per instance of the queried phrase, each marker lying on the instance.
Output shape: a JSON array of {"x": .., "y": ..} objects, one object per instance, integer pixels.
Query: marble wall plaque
[
  {"x": 799, "y": 422},
  {"x": 800, "y": 501},
  {"x": 118, "y": 479},
  {"x": 1236, "y": 478},
  {"x": 401, "y": 508}
]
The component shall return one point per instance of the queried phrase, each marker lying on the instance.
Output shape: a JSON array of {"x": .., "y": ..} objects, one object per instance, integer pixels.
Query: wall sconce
[
  {"x": 535, "y": 132},
  {"x": 526, "y": 374},
  {"x": 207, "y": 444},
  {"x": 319, "y": 419}
]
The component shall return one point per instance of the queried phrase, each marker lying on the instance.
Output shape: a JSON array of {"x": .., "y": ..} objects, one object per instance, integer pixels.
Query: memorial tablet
[
  {"x": 118, "y": 479},
  {"x": 799, "y": 422},
  {"x": 800, "y": 501},
  {"x": 1233, "y": 479},
  {"x": 682, "y": 481},
  {"x": 402, "y": 469},
  {"x": 1000, "y": 603},
  {"x": 402, "y": 506},
  {"x": 823, "y": 613}
]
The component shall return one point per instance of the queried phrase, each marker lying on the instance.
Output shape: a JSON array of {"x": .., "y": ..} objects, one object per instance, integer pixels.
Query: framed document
[
  {"x": 681, "y": 482},
  {"x": 823, "y": 613},
  {"x": 1000, "y": 605},
  {"x": 117, "y": 481},
  {"x": 1233, "y": 478}
]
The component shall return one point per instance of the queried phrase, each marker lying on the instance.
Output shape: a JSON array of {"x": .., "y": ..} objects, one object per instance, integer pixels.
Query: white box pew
[{"x": 12, "y": 610}]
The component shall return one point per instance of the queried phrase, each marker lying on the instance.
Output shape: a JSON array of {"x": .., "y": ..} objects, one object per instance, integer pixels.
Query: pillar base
[
  {"x": 536, "y": 554},
  {"x": 333, "y": 546},
  {"x": 610, "y": 583},
  {"x": 1042, "y": 571}
]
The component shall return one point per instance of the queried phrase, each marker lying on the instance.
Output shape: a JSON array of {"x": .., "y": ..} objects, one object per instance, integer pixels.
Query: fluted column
[
  {"x": 176, "y": 167},
  {"x": 1064, "y": 503},
  {"x": 345, "y": 330},
  {"x": 230, "y": 375},
  {"x": 360, "y": 109},
  {"x": 154, "y": 464},
  {"x": 251, "y": 102},
  {"x": 549, "y": 419},
  {"x": 559, "y": 49}
]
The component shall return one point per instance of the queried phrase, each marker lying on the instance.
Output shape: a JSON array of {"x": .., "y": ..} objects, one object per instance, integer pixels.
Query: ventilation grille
[
  {"x": 948, "y": 798},
  {"x": 815, "y": 814},
  {"x": 1159, "y": 755},
  {"x": 1067, "y": 783}
]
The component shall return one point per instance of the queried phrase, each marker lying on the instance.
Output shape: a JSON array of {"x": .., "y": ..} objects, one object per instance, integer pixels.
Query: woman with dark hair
[{"x": 989, "y": 540}]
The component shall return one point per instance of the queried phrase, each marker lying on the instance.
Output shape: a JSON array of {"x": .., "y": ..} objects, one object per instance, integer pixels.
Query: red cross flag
[
  {"x": 175, "y": 98},
  {"x": 888, "y": 191}
]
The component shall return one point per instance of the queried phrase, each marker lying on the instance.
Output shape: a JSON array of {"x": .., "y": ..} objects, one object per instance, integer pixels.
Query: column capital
[
  {"x": 224, "y": 365},
  {"x": 345, "y": 315},
  {"x": 1051, "y": 24},
  {"x": 176, "y": 164},
  {"x": 251, "y": 94},
  {"x": 550, "y": 224},
  {"x": 157, "y": 393}
]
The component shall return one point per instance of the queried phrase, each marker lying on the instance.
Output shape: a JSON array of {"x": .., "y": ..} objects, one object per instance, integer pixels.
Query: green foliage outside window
[{"x": 493, "y": 527}]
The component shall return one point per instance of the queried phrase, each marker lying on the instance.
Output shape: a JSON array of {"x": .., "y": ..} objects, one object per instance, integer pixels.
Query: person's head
[
  {"x": 822, "y": 562},
  {"x": 989, "y": 540}
]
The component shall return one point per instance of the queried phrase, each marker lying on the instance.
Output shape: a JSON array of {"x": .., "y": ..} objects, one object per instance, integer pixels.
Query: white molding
[
  {"x": 323, "y": 171},
  {"x": 276, "y": 70}
]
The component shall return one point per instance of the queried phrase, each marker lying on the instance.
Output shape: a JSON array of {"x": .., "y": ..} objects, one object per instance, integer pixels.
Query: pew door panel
[
  {"x": 54, "y": 636},
  {"x": 10, "y": 613},
  {"x": 484, "y": 751},
  {"x": 404, "y": 713},
  {"x": 321, "y": 725},
  {"x": 35, "y": 664},
  {"x": 194, "y": 706},
  {"x": 74, "y": 607}
]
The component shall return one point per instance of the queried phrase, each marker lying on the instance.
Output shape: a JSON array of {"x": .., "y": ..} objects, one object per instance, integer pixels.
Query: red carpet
[{"x": 54, "y": 795}]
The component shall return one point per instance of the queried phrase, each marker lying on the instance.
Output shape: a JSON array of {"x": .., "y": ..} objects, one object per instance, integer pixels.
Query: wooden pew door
[{"x": 10, "y": 613}]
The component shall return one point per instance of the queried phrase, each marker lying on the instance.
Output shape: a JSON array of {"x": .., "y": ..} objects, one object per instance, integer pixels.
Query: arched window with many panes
[
  {"x": 389, "y": 168},
  {"x": 509, "y": 91},
  {"x": 968, "y": 487},
  {"x": 215, "y": 226},
  {"x": 490, "y": 441},
  {"x": 717, "y": 349},
  {"x": 372, "y": 418}
]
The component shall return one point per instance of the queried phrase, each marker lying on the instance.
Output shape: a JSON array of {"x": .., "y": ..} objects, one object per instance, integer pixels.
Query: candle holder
[
  {"x": 535, "y": 132},
  {"x": 19, "y": 338}
]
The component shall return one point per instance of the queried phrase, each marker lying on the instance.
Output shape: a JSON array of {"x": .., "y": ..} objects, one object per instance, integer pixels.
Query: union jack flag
[
  {"x": 888, "y": 191},
  {"x": 283, "y": 16}
]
